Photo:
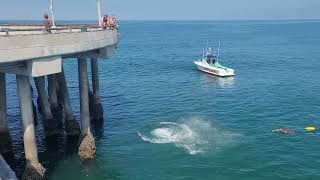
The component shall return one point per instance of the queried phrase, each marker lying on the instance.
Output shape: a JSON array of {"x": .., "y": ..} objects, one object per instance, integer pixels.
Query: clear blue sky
[{"x": 164, "y": 9}]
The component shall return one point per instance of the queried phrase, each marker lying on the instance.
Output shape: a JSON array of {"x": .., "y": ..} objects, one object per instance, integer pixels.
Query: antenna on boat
[
  {"x": 218, "y": 51},
  {"x": 203, "y": 52},
  {"x": 207, "y": 46}
]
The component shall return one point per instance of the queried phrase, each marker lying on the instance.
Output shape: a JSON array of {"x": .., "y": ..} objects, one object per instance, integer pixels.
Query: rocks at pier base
[
  {"x": 72, "y": 127},
  {"x": 5, "y": 142},
  {"x": 87, "y": 146},
  {"x": 33, "y": 172}
]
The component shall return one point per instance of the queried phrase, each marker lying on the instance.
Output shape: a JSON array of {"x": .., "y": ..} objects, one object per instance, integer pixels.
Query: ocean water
[{"x": 166, "y": 120}]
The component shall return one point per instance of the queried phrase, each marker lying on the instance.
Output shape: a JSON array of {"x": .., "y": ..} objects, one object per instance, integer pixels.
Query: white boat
[{"x": 209, "y": 64}]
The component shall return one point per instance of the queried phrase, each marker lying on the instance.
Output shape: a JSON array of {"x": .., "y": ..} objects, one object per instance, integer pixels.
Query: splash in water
[{"x": 193, "y": 135}]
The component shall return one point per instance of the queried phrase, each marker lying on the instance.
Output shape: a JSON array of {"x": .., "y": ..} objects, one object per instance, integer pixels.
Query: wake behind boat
[{"x": 209, "y": 64}]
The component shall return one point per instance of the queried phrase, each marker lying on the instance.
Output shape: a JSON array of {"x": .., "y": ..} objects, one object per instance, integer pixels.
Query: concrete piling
[
  {"x": 71, "y": 125},
  {"x": 6, "y": 173},
  {"x": 5, "y": 138},
  {"x": 34, "y": 170},
  {"x": 59, "y": 95},
  {"x": 51, "y": 125},
  {"x": 95, "y": 104},
  {"x": 53, "y": 98},
  {"x": 87, "y": 146},
  {"x": 39, "y": 99},
  {"x": 35, "y": 113}
]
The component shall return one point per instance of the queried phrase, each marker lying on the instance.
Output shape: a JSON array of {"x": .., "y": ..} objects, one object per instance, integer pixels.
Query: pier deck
[{"x": 27, "y": 50}]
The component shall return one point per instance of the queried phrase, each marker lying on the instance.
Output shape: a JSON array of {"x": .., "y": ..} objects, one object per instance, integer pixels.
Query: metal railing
[{"x": 9, "y": 30}]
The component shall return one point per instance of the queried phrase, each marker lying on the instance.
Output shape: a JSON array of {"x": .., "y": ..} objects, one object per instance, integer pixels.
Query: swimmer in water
[{"x": 283, "y": 131}]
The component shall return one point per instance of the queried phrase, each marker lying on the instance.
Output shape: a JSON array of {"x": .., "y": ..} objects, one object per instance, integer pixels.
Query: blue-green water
[{"x": 166, "y": 120}]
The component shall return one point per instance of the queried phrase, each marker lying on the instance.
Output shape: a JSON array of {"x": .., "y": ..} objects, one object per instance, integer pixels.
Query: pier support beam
[
  {"x": 39, "y": 105},
  {"x": 96, "y": 108},
  {"x": 59, "y": 95},
  {"x": 6, "y": 172},
  {"x": 34, "y": 170},
  {"x": 87, "y": 146},
  {"x": 53, "y": 98},
  {"x": 5, "y": 138},
  {"x": 71, "y": 124},
  {"x": 35, "y": 113},
  {"x": 50, "y": 123}
]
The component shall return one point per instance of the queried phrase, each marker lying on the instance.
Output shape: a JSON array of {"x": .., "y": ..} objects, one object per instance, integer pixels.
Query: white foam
[{"x": 194, "y": 135}]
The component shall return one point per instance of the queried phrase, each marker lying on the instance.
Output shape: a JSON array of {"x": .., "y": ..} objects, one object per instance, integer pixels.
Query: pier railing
[{"x": 10, "y": 30}]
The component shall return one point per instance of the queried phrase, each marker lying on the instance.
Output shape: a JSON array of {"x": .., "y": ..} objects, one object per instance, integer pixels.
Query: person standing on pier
[
  {"x": 114, "y": 22},
  {"x": 104, "y": 21},
  {"x": 47, "y": 24}
]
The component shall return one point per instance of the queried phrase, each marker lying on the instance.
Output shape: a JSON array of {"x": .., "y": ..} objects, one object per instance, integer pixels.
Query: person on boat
[
  {"x": 208, "y": 59},
  {"x": 283, "y": 131},
  {"x": 47, "y": 24},
  {"x": 213, "y": 60}
]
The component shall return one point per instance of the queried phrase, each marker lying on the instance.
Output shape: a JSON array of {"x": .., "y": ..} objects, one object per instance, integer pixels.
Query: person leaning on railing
[
  {"x": 113, "y": 22},
  {"x": 47, "y": 24},
  {"x": 105, "y": 21}
]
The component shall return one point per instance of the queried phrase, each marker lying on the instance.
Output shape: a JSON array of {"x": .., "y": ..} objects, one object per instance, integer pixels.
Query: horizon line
[{"x": 284, "y": 19}]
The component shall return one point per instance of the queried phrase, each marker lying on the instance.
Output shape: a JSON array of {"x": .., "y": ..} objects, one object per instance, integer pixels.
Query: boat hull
[{"x": 214, "y": 70}]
